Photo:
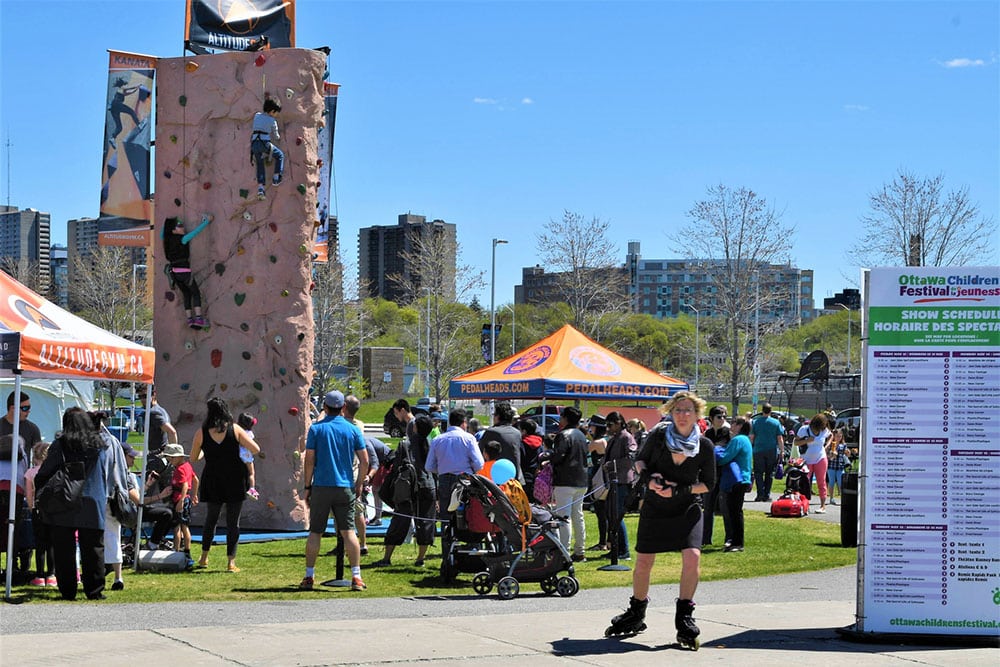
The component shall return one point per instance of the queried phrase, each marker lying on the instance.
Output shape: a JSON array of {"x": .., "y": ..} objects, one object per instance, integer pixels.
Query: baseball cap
[
  {"x": 130, "y": 451},
  {"x": 334, "y": 399}
]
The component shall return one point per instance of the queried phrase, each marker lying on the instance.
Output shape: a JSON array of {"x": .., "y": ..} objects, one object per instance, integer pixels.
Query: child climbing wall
[{"x": 252, "y": 263}]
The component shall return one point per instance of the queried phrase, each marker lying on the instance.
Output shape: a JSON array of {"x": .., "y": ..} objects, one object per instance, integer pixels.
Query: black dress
[
  {"x": 224, "y": 479},
  {"x": 673, "y": 524}
]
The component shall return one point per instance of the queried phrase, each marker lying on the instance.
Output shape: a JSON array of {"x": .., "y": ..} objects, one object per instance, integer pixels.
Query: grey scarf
[{"x": 678, "y": 443}]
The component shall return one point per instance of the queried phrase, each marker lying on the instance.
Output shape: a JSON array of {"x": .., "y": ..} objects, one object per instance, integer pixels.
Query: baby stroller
[
  {"x": 798, "y": 490},
  {"x": 491, "y": 540}
]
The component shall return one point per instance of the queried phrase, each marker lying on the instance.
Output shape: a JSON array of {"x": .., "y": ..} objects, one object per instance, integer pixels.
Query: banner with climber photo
[
  {"x": 126, "y": 203},
  {"x": 324, "y": 152},
  {"x": 239, "y": 25}
]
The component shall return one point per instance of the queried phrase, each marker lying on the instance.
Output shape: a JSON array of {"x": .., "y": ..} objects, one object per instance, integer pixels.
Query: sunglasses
[{"x": 25, "y": 408}]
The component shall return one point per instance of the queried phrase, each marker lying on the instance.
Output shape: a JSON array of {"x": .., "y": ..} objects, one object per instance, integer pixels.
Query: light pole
[
  {"x": 697, "y": 344},
  {"x": 756, "y": 341},
  {"x": 513, "y": 330},
  {"x": 134, "y": 334},
  {"x": 427, "y": 365},
  {"x": 493, "y": 312},
  {"x": 840, "y": 305}
]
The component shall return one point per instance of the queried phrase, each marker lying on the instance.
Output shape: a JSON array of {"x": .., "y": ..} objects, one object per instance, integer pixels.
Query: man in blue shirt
[
  {"x": 331, "y": 446},
  {"x": 767, "y": 436},
  {"x": 453, "y": 452}
]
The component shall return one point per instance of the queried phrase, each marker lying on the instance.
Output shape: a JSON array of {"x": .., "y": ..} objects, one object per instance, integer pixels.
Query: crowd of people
[{"x": 685, "y": 469}]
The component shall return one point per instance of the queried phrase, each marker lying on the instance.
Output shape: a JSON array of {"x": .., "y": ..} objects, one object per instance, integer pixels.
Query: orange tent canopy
[
  {"x": 55, "y": 343},
  {"x": 565, "y": 365}
]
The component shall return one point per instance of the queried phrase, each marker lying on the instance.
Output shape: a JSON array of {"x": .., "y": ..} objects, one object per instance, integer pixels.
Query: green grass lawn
[{"x": 272, "y": 570}]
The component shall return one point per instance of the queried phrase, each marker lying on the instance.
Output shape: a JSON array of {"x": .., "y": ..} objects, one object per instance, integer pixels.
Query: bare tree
[
  {"x": 26, "y": 272},
  {"x": 454, "y": 333},
  {"x": 913, "y": 222},
  {"x": 329, "y": 319},
  {"x": 737, "y": 236},
  {"x": 102, "y": 293},
  {"x": 582, "y": 254}
]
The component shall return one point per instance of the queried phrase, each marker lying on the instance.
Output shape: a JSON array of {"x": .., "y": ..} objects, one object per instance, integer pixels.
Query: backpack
[
  {"x": 405, "y": 487},
  {"x": 542, "y": 491}
]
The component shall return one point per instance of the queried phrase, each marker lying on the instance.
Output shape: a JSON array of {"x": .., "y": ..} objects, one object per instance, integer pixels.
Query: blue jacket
[{"x": 739, "y": 451}]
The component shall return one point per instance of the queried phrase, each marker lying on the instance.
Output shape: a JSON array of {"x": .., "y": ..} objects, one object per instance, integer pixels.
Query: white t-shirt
[{"x": 816, "y": 451}]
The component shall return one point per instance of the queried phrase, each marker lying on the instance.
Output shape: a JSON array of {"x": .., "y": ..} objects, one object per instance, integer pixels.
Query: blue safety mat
[{"x": 268, "y": 536}]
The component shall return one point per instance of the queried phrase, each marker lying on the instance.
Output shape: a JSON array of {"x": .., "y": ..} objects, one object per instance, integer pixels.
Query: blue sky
[{"x": 497, "y": 116}]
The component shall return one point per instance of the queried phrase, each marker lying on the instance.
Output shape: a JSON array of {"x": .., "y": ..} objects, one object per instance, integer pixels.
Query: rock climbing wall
[{"x": 252, "y": 263}]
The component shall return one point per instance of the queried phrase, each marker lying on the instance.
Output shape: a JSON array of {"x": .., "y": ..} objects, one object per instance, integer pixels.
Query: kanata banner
[
  {"x": 239, "y": 25},
  {"x": 126, "y": 203},
  {"x": 324, "y": 234}
]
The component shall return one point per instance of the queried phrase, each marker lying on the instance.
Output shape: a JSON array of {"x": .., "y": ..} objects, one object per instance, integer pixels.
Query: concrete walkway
[{"x": 786, "y": 619}]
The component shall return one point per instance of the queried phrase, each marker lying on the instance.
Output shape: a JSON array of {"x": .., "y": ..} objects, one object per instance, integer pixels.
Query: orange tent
[
  {"x": 55, "y": 343},
  {"x": 565, "y": 365}
]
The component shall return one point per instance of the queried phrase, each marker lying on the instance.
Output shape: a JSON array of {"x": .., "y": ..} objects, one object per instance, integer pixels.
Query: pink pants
[{"x": 819, "y": 469}]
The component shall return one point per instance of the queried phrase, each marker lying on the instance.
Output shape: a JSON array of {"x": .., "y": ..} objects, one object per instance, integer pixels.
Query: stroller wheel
[
  {"x": 508, "y": 588},
  {"x": 567, "y": 587},
  {"x": 550, "y": 584},
  {"x": 482, "y": 584}
]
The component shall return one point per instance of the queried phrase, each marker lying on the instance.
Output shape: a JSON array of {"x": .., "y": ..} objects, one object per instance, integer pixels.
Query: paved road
[{"x": 768, "y": 620}]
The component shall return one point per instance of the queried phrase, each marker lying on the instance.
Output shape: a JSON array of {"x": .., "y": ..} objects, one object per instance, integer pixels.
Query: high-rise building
[
  {"x": 24, "y": 246},
  {"x": 389, "y": 265},
  {"x": 667, "y": 287},
  {"x": 59, "y": 260}
]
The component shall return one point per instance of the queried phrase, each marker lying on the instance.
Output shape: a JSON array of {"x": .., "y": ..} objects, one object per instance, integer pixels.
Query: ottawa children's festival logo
[{"x": 938, "y": 288}]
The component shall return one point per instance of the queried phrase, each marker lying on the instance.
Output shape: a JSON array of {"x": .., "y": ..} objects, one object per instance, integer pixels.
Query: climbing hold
[
  {"x": 206, "y": 186},
  {"x": 169, "y": 296},
  {"x": 246, "y": 355},
  {"x": 220, "y": 268},
  {"x": 223, "y": 386},
  {"x": 312, "y": 286},
  {"x": 281, "y": 371},
  {"x": 182, "y": 100},
  {"x": 239, "y": 298},
  {"x": 303, "y": 249},
  {"x": 263, "y": 408},
  {"x": 284, "y": 292},
  {"x": 167, "y": 174},
  {"x": 190, "y": 66},
  {"x": 177, "y": 202},
  {"x": 185, "y": 386},
  {"x": 186, "y": 161},
  {"x": 298, "y": 141},
  {"x": 188, "y": 345},
  {"x": 289, "y": 93},
  {"x": 270, "y": 505},
  {"x": 274, "y": 260},
  {"x": 319, "y": 163},
  {"x": 173, "y": 138},
  {"x": 301, "y": 337},
  {"x": 273, "y": 226},
  {"x": 293, "y": 411},
  {"x": 301, "y": 188},
  {"x": 244, "y": 193},
  {"x": 278, "y": 339},
  {"x": 249, "y": 280},
  {"x": 248, "y": 216},
  {"x": 316, "y": 223},
  {"x": 216, "y": 358},
  {"x": 244, "y": 326},
  {"x": 260, "y": 60},
  {"x": 240, "y": 250},
  {"x": 166, "y": 356},
  {"x": 258, "y": 386}
]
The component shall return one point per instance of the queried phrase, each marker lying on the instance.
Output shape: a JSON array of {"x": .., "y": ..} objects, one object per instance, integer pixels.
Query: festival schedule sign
[{"x": 930, "y": 504}]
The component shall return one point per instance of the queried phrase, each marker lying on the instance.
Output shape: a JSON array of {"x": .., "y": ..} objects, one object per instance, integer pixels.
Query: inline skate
[
  {"x": 687, "y": 631},
  {"x": 632, "y": 622}
]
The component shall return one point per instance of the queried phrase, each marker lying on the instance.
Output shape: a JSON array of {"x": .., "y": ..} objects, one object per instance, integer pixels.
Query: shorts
[
  {"x": 184, "y": 516},
  {"x": 326, "y": 499}
]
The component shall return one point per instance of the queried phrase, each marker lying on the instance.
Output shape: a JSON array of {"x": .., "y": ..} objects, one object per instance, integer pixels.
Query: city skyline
[{"x": 498, "y": 116}]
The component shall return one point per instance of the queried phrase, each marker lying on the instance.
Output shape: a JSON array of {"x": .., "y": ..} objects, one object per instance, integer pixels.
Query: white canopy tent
[{"x": 40, "y": 340}]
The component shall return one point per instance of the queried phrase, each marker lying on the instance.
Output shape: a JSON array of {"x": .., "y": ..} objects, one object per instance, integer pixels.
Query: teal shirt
[
  {"x": 765, "y": 434},
  {"x": 738, "y": 449}
]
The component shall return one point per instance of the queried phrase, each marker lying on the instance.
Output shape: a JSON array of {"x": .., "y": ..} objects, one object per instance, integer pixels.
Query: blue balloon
[{"x": 502, "y": 471}]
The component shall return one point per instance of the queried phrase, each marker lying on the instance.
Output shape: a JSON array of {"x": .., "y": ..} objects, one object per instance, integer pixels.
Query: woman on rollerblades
[{"x": 676, "y": 465}]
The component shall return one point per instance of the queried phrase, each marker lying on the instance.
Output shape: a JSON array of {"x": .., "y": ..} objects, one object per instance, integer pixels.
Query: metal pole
[
  {"x": 697, "y": 345},
  {"x": 427, "y": 364},
  {"x": 756, "y": 343},
  {"x": 513, "y": 331},
  {"x": 493, "y": 312},
  {"x": 847, "y": 308},
  {"x": 134, "y": 334}
]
